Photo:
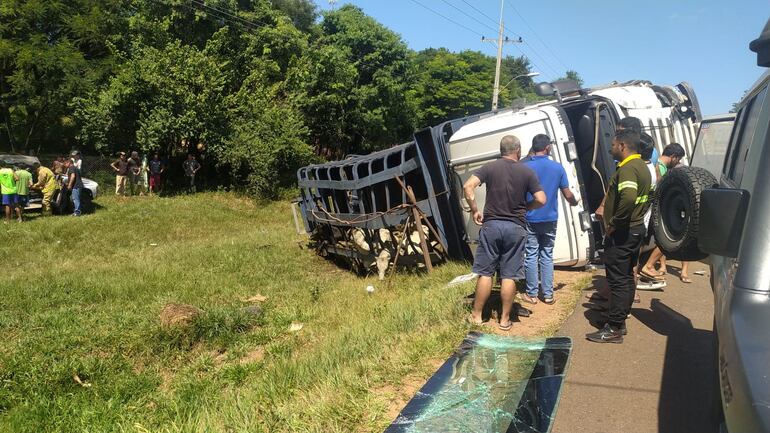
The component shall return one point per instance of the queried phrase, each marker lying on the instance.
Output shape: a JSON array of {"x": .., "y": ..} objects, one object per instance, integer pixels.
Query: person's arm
[
  {"x": 114, "y": 166},
  {"x": 626, "y": 201},
  {"x": 565, "y": 191},
  {"x": 197, "y": 167},
  {"x": 469, "y": 188},
  {"x": 569, "y": 196},
  {"x": 538, "y": 196},
  {"x": 538, "y": 200},
  {"x": 600, "y": 210}
]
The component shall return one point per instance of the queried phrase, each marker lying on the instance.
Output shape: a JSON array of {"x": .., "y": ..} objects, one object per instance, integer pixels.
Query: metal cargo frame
[{"x": 364, "y": 192}]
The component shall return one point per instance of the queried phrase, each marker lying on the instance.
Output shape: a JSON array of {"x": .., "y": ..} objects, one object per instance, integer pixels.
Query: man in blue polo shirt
[{"x": 541, "y": 223}]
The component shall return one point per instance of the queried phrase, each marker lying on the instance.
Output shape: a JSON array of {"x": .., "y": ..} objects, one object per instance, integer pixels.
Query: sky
[{"x": 666, "y": 42}]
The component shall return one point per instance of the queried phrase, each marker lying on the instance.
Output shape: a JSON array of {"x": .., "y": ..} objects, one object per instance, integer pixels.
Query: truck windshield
[{"x": 711, "y": 146}]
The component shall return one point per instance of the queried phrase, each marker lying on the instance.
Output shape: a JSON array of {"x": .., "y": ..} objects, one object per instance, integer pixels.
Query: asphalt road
[{"x": 659, "y": 379}]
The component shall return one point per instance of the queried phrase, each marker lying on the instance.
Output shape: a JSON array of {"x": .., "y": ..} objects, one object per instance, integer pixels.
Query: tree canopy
[{"x": 260, "y": 86}]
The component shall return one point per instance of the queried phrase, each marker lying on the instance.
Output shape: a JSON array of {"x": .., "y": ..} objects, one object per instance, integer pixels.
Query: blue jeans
[
  {"x": 75, "y": 194},
  {"x": 539, "y": 249}
]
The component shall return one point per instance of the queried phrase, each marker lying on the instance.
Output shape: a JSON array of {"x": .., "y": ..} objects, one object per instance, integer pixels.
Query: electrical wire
[
  {"x": 446, "y": 18},
  {"x": 537, "y": 36},
  {"x": 469, "y": 16}
]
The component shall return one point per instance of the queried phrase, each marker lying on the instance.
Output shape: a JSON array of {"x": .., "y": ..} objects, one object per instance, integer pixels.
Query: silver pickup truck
[{"x": 719, "y": 212}]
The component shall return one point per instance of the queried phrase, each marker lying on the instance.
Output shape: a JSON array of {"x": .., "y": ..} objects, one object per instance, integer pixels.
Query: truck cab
[{"x": 581, "y": 124}]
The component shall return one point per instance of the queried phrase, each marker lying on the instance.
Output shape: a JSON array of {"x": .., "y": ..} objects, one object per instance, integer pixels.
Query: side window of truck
[{"x": 742, "y": 137}]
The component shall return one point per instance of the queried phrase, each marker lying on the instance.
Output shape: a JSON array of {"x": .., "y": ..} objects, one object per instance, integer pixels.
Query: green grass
[{"x": 81, "y": 296}]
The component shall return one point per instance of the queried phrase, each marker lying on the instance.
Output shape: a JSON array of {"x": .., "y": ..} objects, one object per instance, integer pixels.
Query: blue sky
[{"x": 702, "y": 42}]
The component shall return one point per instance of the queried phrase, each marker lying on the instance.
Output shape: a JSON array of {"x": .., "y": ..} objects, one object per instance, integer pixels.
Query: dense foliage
[{"x": 260, "y": 87}]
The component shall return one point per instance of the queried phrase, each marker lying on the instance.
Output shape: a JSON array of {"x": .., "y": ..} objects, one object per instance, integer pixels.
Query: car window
[
  {"x": 739, "y": 148},
  {"x": 711, "y": 146}
]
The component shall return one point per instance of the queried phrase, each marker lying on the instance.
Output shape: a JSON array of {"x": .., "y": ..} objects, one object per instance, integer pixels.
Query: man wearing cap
[
  {"x": 503, "y": 233},
  {"x": 74, "y": 185},
  {"x": 121, "y": 172},
  {"x": 541, "y": 223}
]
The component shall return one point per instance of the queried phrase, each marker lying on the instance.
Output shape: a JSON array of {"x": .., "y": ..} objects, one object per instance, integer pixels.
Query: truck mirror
[
  {"x": 722, "y": 216},
  {"x": 571, "y": 150},
  {"x": 544, "y": 89}
]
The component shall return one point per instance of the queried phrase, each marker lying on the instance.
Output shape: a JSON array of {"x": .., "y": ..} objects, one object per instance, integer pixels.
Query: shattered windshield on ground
[{"x": 491, "y": 384}]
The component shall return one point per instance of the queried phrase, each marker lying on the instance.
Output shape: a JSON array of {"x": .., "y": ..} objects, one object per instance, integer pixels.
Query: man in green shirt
[
  {"x": 8, "y": 191},
  {"x": 625, "y": 204},
  {"x": 23, "y": 183}
]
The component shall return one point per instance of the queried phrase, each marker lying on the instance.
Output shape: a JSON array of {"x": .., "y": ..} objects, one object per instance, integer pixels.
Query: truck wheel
[{"x": 676, "y": 212}]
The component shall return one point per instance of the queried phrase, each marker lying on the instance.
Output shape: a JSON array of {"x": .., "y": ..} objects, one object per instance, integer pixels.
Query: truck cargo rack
[{"x": 370, "y": 210}]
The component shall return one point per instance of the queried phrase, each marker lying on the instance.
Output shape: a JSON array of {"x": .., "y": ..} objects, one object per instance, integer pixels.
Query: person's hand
[
  {"x": 478, "y": 218},
  {"x": 600, "y": 212},
  {"x": 610, "y": 230}
]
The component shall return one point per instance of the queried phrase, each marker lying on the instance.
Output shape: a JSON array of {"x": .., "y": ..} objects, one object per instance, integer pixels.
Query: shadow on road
[{"x": 687, "y": 370}]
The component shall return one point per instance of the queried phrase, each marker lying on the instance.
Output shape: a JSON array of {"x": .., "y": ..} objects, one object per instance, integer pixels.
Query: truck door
[{"x": 468, "y": 153}]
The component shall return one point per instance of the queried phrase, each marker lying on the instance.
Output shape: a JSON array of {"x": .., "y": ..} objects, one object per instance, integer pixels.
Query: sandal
[
  {"x": 684, "y": 279},
  {"x": 644, "y": 273},
  {"x": 528, "y": 299},
  {"x": 505, "y": 327}
]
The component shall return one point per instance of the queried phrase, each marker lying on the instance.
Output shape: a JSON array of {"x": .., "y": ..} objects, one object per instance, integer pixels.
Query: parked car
[
  {"x": 724, "y": 218},
  {"x": 61, "y": 203}
]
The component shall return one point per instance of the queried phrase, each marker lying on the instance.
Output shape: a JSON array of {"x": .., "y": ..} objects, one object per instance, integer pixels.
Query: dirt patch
[
  {"x": 255, "y": 355},
  {"x": 399, "y": 396},
  {"x": 178, "y": 315},
  {"x": 546, "y": 319}
]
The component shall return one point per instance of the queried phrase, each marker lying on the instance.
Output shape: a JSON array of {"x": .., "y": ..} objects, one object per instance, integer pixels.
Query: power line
[
  {"x": 514, "y": 35},
  {"x": 469, "y": 16},
  {"x": 448, "y": 19},
  {"x": 548, "y": 48},
  {"x": 482, "y": 13}
]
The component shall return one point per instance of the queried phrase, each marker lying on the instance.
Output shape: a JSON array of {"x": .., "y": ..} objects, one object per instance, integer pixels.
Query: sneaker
[{"x": 606, "y": 335}]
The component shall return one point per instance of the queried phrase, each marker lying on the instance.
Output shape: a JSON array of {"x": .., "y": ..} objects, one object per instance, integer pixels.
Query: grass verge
[{"x": 84, "y": 350}]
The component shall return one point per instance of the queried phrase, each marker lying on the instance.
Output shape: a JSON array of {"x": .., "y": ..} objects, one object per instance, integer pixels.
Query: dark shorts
[
  {"x": 22, "y": 200},
  {"x": 501, "y": 246},
  {"x": 10, "y": 199}
]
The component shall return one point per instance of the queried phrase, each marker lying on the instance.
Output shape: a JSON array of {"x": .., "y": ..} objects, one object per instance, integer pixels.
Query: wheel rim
[{"x": 675, "y": 216}]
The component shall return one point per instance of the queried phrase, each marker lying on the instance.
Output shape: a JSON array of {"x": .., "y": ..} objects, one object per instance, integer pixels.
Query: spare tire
[{"x": 676, "y": 210}]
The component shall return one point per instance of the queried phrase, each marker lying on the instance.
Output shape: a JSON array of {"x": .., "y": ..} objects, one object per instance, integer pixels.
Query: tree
[
  {"x": 574, "y": 76},
  {"x": 163, "y": 99},
  {"x": 366, "y": 74},
  {"x": 50, "y": 52}
]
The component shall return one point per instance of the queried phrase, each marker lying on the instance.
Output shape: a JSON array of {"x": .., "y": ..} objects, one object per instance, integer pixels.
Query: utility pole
[{"x": 499, "y": 41}]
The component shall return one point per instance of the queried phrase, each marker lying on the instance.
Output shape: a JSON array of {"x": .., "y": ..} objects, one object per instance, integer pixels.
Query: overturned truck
[{"x": 405, "y": 205}]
